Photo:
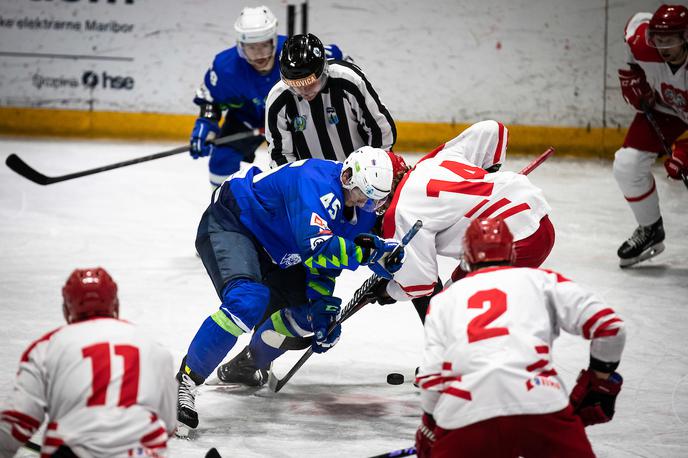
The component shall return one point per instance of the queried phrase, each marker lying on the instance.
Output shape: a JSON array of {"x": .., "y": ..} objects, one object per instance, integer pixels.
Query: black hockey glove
[{"x": 378, "y": 293}]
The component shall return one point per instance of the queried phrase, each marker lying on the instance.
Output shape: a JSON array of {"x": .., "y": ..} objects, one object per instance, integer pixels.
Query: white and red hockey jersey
[
  {"x": 446, "y": 190},
  {"x": 671, "y": 88},
  {"x": 488, "y": 341},
  {"x": 107, "y": 392}
]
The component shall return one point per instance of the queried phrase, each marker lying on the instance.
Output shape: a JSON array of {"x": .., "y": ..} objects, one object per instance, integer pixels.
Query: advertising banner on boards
[{"x": 109, "y": 55}]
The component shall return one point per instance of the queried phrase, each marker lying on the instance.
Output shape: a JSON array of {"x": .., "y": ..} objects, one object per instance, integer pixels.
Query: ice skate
[
  {"x": 241, "y": 369},
  {"x": 186, "y": 406},
  {"x": 645, "y": 243}
]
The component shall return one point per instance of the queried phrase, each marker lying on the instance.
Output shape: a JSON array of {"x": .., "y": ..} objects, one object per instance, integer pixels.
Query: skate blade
[
  {"x": 184, "y": 432},
  {"x": 644, "y": 256},
  {"x": 272, "y": 381},
  {"x": 215, "y": 381}
]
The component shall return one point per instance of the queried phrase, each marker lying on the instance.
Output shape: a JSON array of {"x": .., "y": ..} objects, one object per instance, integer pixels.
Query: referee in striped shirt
[{"x": 320, "y": 108}]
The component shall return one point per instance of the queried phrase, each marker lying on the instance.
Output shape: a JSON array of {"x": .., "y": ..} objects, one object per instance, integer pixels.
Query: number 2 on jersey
[
  {"x": 100, "y": 364},
  {"x": 496, "y": 306}
]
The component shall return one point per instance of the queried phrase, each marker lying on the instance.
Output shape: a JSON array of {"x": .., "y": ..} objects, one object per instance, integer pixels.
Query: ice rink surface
[{"x": 139, "y": 223}]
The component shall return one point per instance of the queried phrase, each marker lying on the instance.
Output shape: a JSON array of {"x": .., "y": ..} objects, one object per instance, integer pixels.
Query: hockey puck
[{"x": 395, "y": 379}]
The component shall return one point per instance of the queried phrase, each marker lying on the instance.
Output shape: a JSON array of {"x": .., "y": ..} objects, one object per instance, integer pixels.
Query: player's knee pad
[
  {"x": 633, "y": 171},
  {"x": 244, "y": 302}
]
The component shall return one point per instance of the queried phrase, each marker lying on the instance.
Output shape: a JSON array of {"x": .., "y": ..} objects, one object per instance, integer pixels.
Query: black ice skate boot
[
  {"x": 645, "y": 243},
  {"x": 242, "y": 369},
  {"x": 186, "y": 402}
]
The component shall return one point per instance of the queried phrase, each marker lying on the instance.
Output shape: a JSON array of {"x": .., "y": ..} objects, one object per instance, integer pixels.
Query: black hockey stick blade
[
  {"x": 16, "y": 163},
  {"x": 32, "y": 446},
  {"x": 397, "y": 453},
  {"x": 213, "y": 453},
  {"x": 354, "y": 305}
]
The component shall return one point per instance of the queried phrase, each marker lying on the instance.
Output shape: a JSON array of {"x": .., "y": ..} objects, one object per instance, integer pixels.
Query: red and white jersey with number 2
[
  {"x": 107, "y": 392},
  {"x": 488, "y": 343},
  {"x": 671, "y": 87},
  {"x": 446, "y": 191}
]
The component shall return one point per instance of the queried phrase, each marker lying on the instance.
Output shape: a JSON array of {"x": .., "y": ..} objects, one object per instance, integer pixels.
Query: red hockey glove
[
  {"x": 425, "y": 436},
  {"x": 677, "y": 164},
  {"x": 593, "y": 398},
  {"x": 635, "y": 89}
]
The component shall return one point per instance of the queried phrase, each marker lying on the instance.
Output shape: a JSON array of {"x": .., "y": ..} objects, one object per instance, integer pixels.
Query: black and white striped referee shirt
[{"x": 344, "y": 116}]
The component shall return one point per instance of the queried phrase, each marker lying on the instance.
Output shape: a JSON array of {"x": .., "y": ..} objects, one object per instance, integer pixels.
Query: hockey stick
[
  {"x": 653, "y": 122},
  {"x": 213, "y": 453},
  {"x": 282, "y": 342},
  {"x": 537, "y": 161},
  {"x": 397, "y": 453},
  {"x": 354, "y": 305},
  {"x": 16, "y": 163},
  {"x": 34, "y": 447}
]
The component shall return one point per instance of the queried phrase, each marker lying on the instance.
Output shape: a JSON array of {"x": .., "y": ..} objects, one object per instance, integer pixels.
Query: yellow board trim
[{"x": 411, "y": 136}]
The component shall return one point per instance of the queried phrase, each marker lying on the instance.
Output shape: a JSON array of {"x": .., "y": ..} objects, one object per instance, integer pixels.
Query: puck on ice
[{"x": 395, "y": 379}]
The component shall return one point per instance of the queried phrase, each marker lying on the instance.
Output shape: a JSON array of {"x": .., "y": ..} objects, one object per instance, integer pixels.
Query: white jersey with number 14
[{"x": 446, "y": 191}]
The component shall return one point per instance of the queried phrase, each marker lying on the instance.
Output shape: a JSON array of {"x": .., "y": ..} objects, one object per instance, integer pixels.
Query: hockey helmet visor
[{"x": 309, "y": 86}]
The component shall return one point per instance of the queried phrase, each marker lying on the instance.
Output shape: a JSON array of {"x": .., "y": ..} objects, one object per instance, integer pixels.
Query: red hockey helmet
[
  {"x": 668, "y": 27},
  {"x": 89, "y": 292},
  {"x": 488, "y": 240},
  {"x": 399, "y": 167}
]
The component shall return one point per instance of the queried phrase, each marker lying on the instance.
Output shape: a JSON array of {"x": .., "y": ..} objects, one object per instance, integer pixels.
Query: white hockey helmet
[
  {"x": 255, "y": 25},
  {"x": 372, "y": 173}
]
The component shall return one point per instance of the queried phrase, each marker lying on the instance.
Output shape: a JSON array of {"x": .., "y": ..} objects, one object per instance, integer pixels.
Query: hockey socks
[
  {"x": 290, "y": 322},
  {"x": 210, "y": 345},
  {"x": 244, "y": 302},
  {"x": 264, "y": 354}
]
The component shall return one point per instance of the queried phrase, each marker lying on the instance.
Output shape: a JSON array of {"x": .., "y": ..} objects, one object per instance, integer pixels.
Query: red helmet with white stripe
[
  {"x": 488, "y": 240},
  {"x": 88, "y": 293}
]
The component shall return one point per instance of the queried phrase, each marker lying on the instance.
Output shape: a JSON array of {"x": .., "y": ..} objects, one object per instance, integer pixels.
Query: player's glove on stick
[
  {"x": 425, "y": 436},
  {"x": 677, "y": 165},
  {"x": 323, "y": 312},
  {"x": 378, "y": 293},
  {"x": 593, "y": 398},
  {"x": 376, "y": 254},
  {"x": 203, "y": 131},
  {"x": 635, "y": 89}
]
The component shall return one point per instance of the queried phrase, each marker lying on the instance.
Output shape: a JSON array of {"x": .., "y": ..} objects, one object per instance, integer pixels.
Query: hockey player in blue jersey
[
  {"x": 315, "y": 213},
  {"x": 238, "y": 83}
]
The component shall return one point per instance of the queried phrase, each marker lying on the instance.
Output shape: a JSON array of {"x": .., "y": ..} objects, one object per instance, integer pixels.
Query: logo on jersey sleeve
[
  {"x": 324, "y": 233},
  {"x": 539, "y": 381},
  {"x": 289, "y": 259}
]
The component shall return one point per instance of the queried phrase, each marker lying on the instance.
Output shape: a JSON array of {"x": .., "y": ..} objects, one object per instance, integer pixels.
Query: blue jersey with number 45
[{"x": 296, "y": 212}]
